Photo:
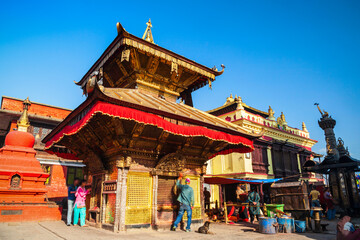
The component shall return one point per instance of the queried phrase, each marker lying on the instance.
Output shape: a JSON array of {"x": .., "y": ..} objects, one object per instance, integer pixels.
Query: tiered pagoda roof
[
  {"x": 132, "y": 62},
  {"x": 131, "y": 107}
]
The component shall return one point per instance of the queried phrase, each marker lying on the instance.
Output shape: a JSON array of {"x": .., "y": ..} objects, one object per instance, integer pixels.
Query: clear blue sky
[{"x": 287, "y": 54}]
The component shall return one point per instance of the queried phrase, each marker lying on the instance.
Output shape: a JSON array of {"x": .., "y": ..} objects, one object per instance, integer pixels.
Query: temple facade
[
  {"x": 280, "y": 152},
  {"x": 42, "y": 119},
  {"x": 137, "y": 130}
]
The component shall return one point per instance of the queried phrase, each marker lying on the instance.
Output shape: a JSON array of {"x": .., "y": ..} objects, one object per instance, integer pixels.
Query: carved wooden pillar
[
  {"x": 123, "y": 200},
  {"x": 202, "y": 203},
  {"x": 103, "y": 200},
  {"x": 118, "y": 199},
  {"x": 283, "y": 170},
  {"x": 123, "y": 165},
  {"x": 154, "y": 205},
  {"x": 103, "y": 209},
  {"x": 299, "y": 164},
  {"x": 270, "y": 161}
]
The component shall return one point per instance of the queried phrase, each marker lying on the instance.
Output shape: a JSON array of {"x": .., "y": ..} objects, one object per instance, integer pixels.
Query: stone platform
[{"x": 58, "y": 230}]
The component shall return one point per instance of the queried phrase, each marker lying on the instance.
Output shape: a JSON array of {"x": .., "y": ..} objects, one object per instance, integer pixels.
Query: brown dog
[{"x": 205, "y": 228}]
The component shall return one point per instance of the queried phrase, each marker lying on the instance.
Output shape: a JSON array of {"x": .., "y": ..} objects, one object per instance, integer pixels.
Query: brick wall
[
  {"x": 35, "y": 108},
  {"x": 57, "y": 190},
  {"x": 30, "y": 213}
]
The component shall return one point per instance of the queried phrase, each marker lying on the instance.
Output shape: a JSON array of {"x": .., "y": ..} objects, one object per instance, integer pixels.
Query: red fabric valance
[{"x": 151, "y": 119}]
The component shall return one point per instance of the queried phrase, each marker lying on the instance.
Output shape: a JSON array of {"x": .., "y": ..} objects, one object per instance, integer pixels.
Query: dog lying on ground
[{"x": 205, "y": 228}]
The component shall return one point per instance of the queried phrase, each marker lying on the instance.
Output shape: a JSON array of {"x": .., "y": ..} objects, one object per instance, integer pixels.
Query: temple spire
[
  {"x": 148, "y": 34},
  {"x": 304, "y": 127},
  {"x": 23, "y": 122}
]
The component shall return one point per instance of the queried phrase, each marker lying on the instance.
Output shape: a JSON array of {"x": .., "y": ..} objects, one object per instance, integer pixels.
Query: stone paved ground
[{"x": 59, "y": 231}]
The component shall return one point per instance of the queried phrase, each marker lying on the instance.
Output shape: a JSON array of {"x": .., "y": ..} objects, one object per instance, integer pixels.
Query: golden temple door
[{"x": 139, "y": 199}]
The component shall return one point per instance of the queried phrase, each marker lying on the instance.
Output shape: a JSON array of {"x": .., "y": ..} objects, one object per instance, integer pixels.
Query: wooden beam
[
  {"x": 108, "y": 79},
  {"x": 175, "y": 76},
  {"x": 152, "y": 64},
  {"x": 97, "y": 138},
  {"x": 121, "y": 67},
  {"x": 191, "y": 79},
  {"x": 162, "y": 140},
  {"x": 206, "y": 147},
  {"x": 136, "y": 132},
  {"x": 134, "y": 60},
  {"x": 186, "y": 144},
  {"x": 118, "y": 126},
  {"x": 220, "y": 146}
]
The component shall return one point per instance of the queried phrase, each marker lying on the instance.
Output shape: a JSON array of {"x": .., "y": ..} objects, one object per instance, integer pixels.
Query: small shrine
[
  {"x": 22, "y": 189},
  {"x": 339, "y": 166},
  {"x": 138, "y": 129}
]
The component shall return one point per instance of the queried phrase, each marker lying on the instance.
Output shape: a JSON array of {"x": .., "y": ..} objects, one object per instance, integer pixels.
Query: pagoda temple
[{"x": 135, "y": 138}]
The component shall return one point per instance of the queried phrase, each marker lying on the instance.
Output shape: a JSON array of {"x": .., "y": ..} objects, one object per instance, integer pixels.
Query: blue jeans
[
  {"x": 183, "y": 208},
  {"x": 70, "y": 211},
  {"x": 314, "y": 203},
  {"x": 331, "y": 214}
]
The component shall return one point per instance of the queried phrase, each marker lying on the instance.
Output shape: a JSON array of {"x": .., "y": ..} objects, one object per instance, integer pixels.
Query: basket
[{"x": 272, "y": 208}]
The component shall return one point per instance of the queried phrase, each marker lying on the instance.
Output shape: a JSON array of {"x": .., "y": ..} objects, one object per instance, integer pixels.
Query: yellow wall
[{"x": 231, "y": 163}]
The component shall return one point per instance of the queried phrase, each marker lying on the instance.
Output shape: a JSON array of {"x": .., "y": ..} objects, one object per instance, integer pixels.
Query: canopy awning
[
  {"x": 221, "y": 180},
  {"x": 234, "y": 143}
]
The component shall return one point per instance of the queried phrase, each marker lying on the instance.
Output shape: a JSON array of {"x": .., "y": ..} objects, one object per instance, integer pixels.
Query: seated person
[
  {"x": 243, "y": 214},
  {"x": 239, "y": 192},
  {"x": 231, "y": 211},
  {"x": 237, "y": 214},
  {"x": 346, "y": 230}
]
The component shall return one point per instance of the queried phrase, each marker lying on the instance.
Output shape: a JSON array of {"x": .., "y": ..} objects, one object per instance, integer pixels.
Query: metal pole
[{"x": 225, "y": 208}]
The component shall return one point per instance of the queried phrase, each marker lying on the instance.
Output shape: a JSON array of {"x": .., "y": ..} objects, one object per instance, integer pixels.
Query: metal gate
[{"x": 138, "y": 201}]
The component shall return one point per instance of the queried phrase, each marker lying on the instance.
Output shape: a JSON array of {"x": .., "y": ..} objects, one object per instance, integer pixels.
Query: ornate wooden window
[
  {"x": 72, "y": 173},
  {"x": 39, "y": 131}
]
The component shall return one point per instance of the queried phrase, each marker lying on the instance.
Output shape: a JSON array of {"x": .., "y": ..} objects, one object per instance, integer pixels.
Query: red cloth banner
[{"x": 243, "y": 144}]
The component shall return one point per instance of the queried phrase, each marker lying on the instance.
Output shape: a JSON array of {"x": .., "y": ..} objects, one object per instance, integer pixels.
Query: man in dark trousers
[
  {"x": 186, "y": 199},
  {"x": 254, "y": 203},
  {"x": 71, "y": 199}
]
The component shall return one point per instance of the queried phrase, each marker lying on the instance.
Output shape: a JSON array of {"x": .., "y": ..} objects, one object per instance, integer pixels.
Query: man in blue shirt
[
  {"x": 71, "y": 199},
  {"x": 186, "y": 199}
]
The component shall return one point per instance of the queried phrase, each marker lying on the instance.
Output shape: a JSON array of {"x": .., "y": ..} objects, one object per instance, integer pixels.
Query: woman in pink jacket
[{"x": 79, "y": 206}]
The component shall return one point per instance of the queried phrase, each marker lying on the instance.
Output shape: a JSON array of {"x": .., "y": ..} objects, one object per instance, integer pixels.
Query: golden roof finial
[
  {"x": 282, "y": 116},
  {"x": 148, "y": 34},
  {"x": 229, "y": 99},
  {"x": 23, "y": 122},
  {"x": 304, "y": 127},
  {"x": 271, "y": 113}
]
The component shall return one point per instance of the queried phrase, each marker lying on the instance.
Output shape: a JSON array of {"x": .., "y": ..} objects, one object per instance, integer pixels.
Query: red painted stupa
[{"x": 22, "y": 189}]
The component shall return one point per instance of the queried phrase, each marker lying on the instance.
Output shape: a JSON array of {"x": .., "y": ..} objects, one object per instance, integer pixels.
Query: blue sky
[{"x": 287, "y": 54}]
